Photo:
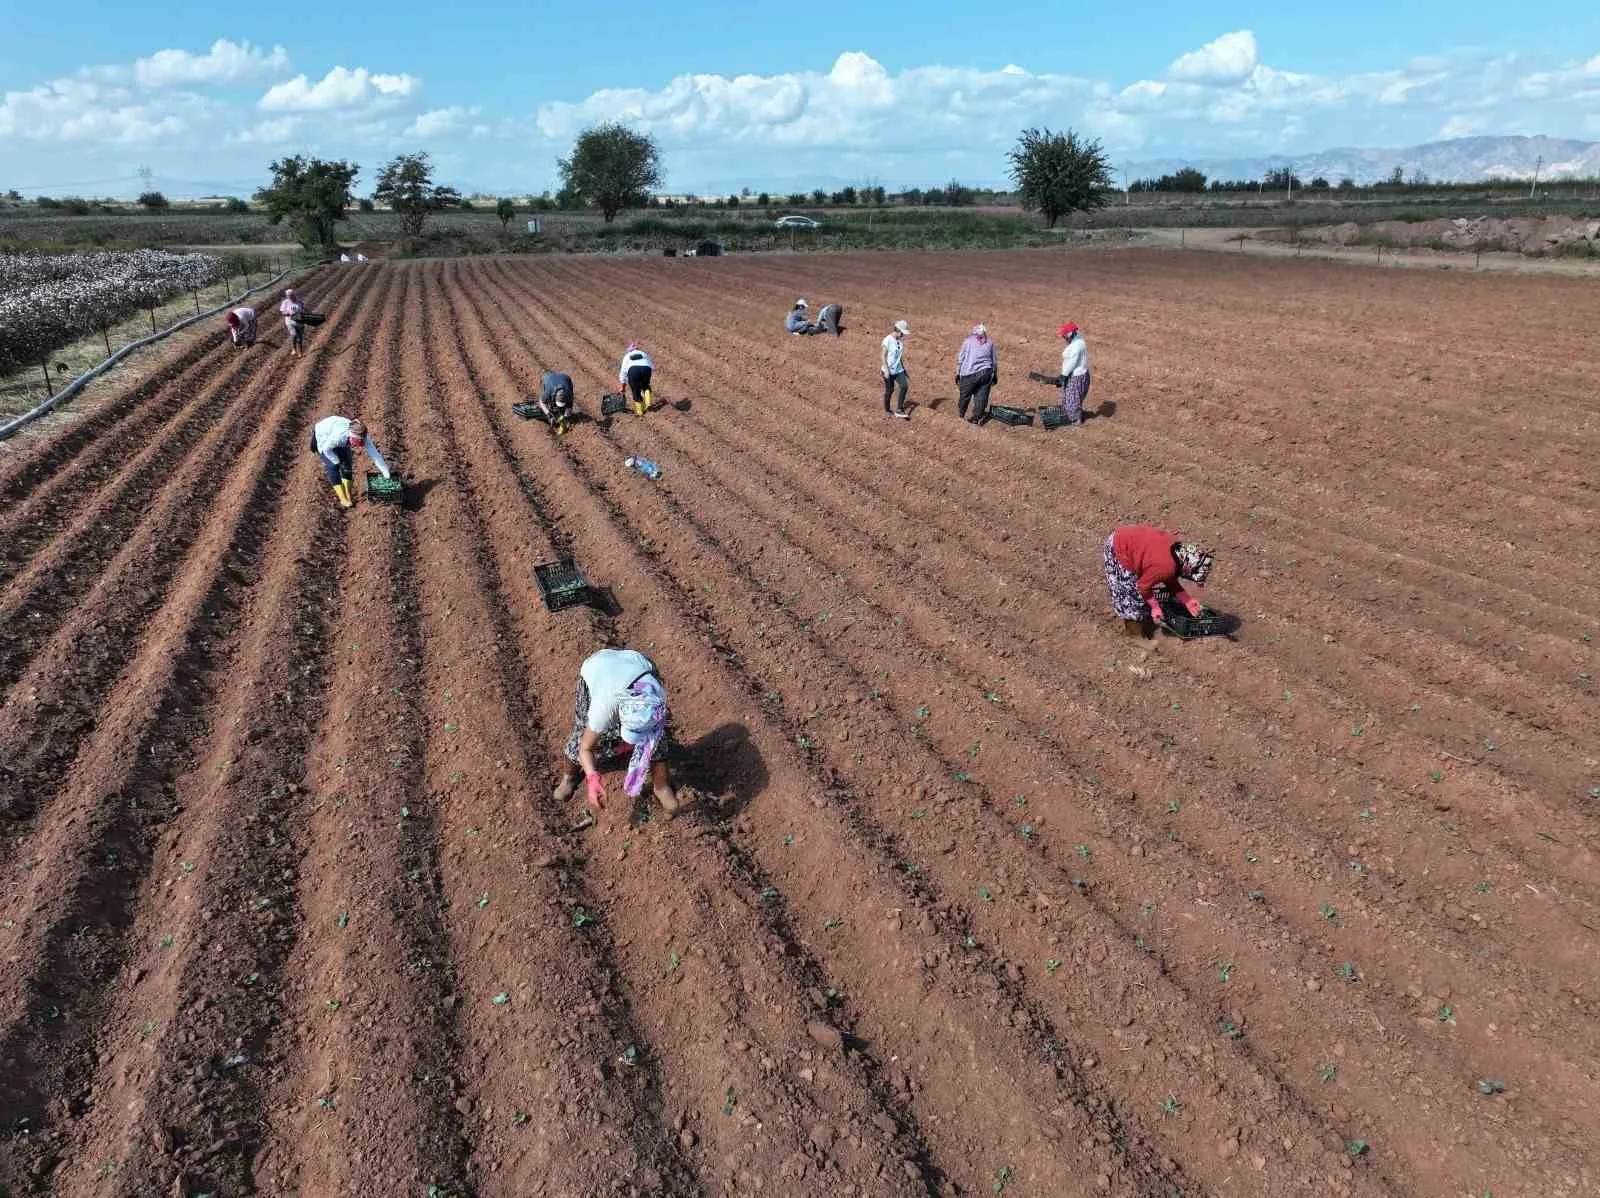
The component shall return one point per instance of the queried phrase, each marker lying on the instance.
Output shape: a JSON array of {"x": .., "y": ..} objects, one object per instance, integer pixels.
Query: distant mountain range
[{"x": 1461, "y": 160}]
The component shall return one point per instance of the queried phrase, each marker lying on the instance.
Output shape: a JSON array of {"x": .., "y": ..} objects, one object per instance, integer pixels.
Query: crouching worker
[
  {"x": 635, "y": 374},
  {"x": 555, "y": 400},
  {"x": 798, "y": 321},
  {"x": 621, "y": 705},
  {"x": 1141, "y": 562},
  {"x": 242, "y": 326},
  {"x": 336, "y": 441},
  {"x": 828, "y": 320}
]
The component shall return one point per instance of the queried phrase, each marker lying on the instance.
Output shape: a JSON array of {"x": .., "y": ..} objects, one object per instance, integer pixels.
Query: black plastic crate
[
  {"x": 1176, "y": 620},
  {"x": 1053, "y": 417},
  {"x": 529, "y": 411},
  {"x": 613, "y": 403},
  {"x": 312, "y": 318},
  {"x": 562, "y": 585},
  {"x": 1012, "y": 416},
  {"x": 384, "y": 490}
]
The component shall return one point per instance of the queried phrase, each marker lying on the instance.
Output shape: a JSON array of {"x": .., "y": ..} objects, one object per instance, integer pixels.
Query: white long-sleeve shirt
[
  {"x": 634, "y": 357},
  {"x": 894, "y": 355},
  {"x": 333, "y": 434},
  {"x": 1074, "y": 357}
]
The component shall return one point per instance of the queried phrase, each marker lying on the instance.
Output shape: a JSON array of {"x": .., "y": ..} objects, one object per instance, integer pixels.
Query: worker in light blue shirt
[
  {"x": 336, "y": 440},
  {"x": 896, "y": 380}
]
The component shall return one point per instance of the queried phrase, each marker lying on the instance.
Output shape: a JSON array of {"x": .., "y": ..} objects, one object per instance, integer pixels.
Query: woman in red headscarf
[{"x": 1074, "y": 373}]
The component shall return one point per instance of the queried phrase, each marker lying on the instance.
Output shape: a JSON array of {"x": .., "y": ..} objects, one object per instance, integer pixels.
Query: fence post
[
  {"x": 152, "y": 320},
  {"x": 197, "y": 301},
  {"x": 45, "y": 368},
  {"x": 106, "y": 337}
]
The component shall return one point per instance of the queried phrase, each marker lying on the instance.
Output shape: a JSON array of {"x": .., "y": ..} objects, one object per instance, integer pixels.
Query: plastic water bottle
[{"x": 644, "y": 466}]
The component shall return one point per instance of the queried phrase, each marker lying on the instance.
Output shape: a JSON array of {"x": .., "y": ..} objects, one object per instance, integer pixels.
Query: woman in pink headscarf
[
  {"x": 621, "y": 706},
  {"x": 293, "y": 312}
]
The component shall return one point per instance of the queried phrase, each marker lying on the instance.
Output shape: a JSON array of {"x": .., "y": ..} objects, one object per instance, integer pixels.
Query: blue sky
[{"x": 739, "y": 94}]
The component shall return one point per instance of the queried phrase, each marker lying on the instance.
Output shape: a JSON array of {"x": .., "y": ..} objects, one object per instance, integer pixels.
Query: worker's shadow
[
  {"x": 725, "y": 769},
  {"x": 1106, "y": 409},
  {"x": 416, "y": 491}
]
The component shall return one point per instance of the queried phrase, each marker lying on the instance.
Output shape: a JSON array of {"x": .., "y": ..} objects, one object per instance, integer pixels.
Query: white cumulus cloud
[
  {"x": 339, "y": 88},
  {"x": 1229, "y": 59},
  {"x": 225, "y": 62},
  {"x": 440, "y": 121}
]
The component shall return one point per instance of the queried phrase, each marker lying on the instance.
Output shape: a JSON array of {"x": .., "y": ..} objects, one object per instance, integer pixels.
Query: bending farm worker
[
  {"x": 797, "y": 321},
  {"x": 336, "y": 441},
  {"x": 635, "y": 375},
  {"x": 242, "y": 326},
  {"x": 555, "y": 399},
  {"x": 1142, "y": 562},
  {"x": 621, "y": 704},
  {"x": 828, "y": 320},
  {"x": 1074, "y": 373},
  {"x": 892, "y": 366},
  {"x": 292, "y": 310},
  {"x": 976, "y": 371}
]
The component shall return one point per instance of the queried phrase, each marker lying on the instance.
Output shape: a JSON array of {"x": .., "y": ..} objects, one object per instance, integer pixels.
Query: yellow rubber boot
[
  {"x": 342, "y": 490},
  {"x": 649, "y": 400}
]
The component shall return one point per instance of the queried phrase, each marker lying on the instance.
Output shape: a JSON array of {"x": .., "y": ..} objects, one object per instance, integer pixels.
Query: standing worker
[
  {"x": 242, "y": 326},
  {"x": 621, "y": 701},
  {"x": 635, "y": 374},
  {"x": 336, "y": 441},
  {"x": 293, "y": 312},
  {"x": 555, "y": 399},
  {"x": 828, "y": 320},
  {"x": 1074, "y": 373},
  {"x": 976, "y": 372},
  {"x": 798, "y": 321},
  {"x": 1142, "y": 561},
  {"x": 893, "y": 368}
]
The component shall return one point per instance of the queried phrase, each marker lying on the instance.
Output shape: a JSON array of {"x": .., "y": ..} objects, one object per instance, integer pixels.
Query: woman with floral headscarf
[
  {"x": 621, "y": 705},
  {"x": 293, "y": 312},
  {"x": 1143, "y": 563}
]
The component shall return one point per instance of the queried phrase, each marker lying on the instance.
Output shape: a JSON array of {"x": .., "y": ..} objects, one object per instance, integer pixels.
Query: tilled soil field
[{"x": 976, "y": 896}]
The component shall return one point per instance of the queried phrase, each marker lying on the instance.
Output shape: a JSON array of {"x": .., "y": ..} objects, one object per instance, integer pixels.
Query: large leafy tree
[
  {"x": 1059, "y": 173},
  {"x": 406, "y": 187},
  {"x": 611, "y": 168},
  {"x": 311, "y": 195},
  {"x": 504, "y": 209}
]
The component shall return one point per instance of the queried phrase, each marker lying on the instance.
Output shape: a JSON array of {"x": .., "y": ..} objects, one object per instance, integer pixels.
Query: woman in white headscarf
[
  {"x": 621, "y": 706},
  {"x": 293, "y": 312}
]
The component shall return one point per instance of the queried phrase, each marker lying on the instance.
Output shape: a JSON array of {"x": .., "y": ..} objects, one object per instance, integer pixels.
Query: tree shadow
[{"x": 725, "y": 768}]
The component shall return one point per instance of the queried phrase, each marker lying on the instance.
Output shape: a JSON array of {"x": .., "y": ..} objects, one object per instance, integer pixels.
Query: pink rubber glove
[
  {"x": 596, "y": 789},
  {"x": 1155, "y": 608},
  {"x": 1193, "y": 604}
]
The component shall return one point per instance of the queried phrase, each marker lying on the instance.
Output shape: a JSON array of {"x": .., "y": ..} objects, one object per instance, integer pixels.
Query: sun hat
[
  {"x": 800, "y": 303},
  {"x": 902, "y": 328}
]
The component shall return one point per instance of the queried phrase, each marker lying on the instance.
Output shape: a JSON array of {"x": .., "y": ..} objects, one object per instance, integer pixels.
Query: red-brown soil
[{"x": 976, "y": 897}]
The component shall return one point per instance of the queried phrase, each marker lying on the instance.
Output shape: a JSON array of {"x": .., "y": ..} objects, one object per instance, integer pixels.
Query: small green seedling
[
  {"x": 1329, "y": 913},
  {"x": 1173, "y": 806},
  {"x": 325, "y": 1103},
  {"x": 985, "y": 894},
  {"x": 1138, "y": 943},
  {"x": 630, "y": 1055},
  {"x": 1356, "y": 1147},
  {"x": 581, "y": 918},
  {"x": 1084, "y": 851},
  {"x": 518, "y": 1118},
  {"x": 452, "y": 726},
  {"x": 344, "y": 919},
  {"x": 1435, "y": 775},
  {"x": 1483, "y": 887},
  {"x": 919, "y": 814},
  {"x": 969, "y": 941},
  {"x": 1001, "y": 1176},
  {"x": 673, "y": 961},
  {"x": 788, "y": 840},
  {"x": 1229, "y": 1029},
  {"x": 960, "y": 776},
  {"x": 1170, "y": 1105},
  {"x": 167, "y": 940},
  {"x": 731, "y": 1101},
  {"x": 769, "y": 892},
  {"x": 1327, "y": 1072},
  {"x": 1147, "y": 908},
  {"x": 1022, "y": 800},
  {"x": 1358, "y": 730},
  {"x": 1052, "y": 965},
  {"x": 924, "y": 712},
  {"x": 501, "y": 999},
  {"x": 482, "y": 901},
  {"x": 1027, "y": 832},
  {"x": 1446, "y": 1013},
  {"x": 333, "y": 1004},
  {"x": 1347, "y": 971},
  {"x": 1255, "y": 896},
  {"x": 972, "y": 752},
  {"x": 1224, "y": 970},
  {"x": 832, "y": 922},
  {"x": 1490, "y": 1088}
]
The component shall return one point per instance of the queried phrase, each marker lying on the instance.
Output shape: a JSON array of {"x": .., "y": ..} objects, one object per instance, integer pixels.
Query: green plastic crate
[{"x": 384, "y": 490}]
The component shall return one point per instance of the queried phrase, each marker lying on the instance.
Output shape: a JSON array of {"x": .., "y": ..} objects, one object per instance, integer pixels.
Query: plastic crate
[
  {"x": 562, "y": 585},
  {"x": 529, "y": 411},
  {"x": 1012, "y": 416},
  {"x": 1053, "y": 417},
  {"x": 1176, "y": 620},
  {"x": 613, "y": 403},
  {"x": 384, "y": 490},
  {"x": 312, "y": 318}
]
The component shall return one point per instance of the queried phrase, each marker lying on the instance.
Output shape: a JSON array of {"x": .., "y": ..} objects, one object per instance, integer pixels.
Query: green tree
[
  {"x": 235, "y": 204},
  {"x": 819, "y": 196},
  {"x": 797, "y": 197},
  {"x": 956, "y": 194},
  {"x": 611, "y": 168},
  {"x": 153, "y": 201},
  {"x": 505, "y": 210},
  {"x": 1059, "y": 173},
  {"x": 311, "y": 195},
  {"x": 406, "y": 186},
  {"x": 763, "y": 199}
]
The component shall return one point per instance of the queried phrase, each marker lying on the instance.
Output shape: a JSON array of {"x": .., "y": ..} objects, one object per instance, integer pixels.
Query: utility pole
[{"x": 1537, "y": 166}]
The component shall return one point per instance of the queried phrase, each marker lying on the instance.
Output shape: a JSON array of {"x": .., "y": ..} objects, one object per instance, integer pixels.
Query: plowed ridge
[{"x": 288, "y": 907}]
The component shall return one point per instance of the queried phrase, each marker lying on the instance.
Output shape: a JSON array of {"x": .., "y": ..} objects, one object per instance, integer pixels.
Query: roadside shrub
[
  {"x": 235, "y": 204},
  {"x": 153, "y": 201}
]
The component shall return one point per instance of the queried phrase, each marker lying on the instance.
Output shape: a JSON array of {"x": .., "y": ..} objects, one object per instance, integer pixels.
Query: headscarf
[
  {"x": 800, "y": 303},
  {"x": 232, "y": 320},
  {"x": 978, "y": 330},
  {"x": 1067, "y": 329},
  {"x": 643, "y": 716},
  {"x": 1194, "y": 563},
  {"x": 358, "y": 434}
]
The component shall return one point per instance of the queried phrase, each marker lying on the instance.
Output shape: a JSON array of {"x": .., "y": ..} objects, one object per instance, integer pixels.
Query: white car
[{"x": 798, "y": 222}]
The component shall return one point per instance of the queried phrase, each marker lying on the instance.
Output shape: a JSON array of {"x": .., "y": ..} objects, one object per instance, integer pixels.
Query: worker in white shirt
[
  {"x": 1074, "y": 373},
  {"x": 336, "y": 441},
  {"x": 242, "y": 326},
  {"x": 621, "y": 706},
  {"x": 293, "y": 309},
  {"x": 635, "y": 375},
  {"x": 893, "y": 369}
]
